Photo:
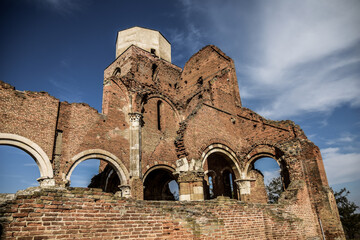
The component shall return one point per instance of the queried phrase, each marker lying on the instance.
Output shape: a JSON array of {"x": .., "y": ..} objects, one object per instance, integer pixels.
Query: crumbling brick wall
[
  {"x": 92, "y": 214},
  {"x": 157, "y": 116}
]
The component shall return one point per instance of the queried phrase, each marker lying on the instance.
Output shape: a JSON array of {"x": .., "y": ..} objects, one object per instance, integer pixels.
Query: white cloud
[
  {"x": 344, "y": 138},
  {"x": 269, "y": 175},
  {"x": 341, "y": 167},
  {"x": 294, "y": 57}
]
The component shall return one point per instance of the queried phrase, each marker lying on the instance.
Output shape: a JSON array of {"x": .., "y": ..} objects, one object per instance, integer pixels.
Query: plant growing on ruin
[
  {"x": 274, "y": 189},
  {"x": 348, "y": 216}
]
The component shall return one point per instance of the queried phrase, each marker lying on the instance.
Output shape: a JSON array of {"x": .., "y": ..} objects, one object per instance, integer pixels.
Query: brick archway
[
  {"x": 100, "y": 154},
  {"x": 36, "y": 152},
  {"x": 221, "y": 148},
  {"x": 268, "y": 151}
]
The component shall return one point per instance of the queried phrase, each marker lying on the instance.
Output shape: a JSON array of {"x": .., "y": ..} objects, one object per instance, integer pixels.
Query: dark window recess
[
  {"x": 117, "y": 71},
  {"x": 153, "y": 68},
  {"x": 159, "y": 103},
  {"x": 152, "y": 51}
]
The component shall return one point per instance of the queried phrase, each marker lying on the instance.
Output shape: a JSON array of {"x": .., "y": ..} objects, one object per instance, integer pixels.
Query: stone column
[
  {"x": 191, "y": 186},
  {"x": 244, "y": 186},
  {"x": 135, "y": 155}
]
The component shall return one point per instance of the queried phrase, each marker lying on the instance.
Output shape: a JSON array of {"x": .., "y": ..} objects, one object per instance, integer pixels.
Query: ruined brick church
[{"x": 160, "y": 124}]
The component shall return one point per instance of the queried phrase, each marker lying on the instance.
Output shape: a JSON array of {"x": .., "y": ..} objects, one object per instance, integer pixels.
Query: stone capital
[
  {"x": 46, "y": 182},
  {"x": 124, "y": 191},
  {"x": 135, "y": 117}
]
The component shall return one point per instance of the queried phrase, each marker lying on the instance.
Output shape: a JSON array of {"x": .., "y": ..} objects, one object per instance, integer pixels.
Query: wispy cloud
[
  {"x": 300, "y": 56},
  {"x": 65, "y": 91},
  {"x": 270, "y": 175},
  {"x": 63, "y": 7},
  {"x": 350, "y": 165},
  {"x": 344, "y": 138}
]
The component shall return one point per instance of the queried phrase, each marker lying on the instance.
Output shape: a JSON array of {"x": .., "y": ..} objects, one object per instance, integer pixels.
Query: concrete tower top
[{"x": 147, "y": 39}]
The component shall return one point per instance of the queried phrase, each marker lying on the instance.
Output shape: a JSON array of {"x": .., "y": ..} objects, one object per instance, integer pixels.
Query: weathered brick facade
[{"x": 161, "y": 123}]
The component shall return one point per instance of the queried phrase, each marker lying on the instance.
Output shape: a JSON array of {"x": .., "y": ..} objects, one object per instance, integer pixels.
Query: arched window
[
  {"x": 88, "y": 174},
  {"x": 17, "y": 169},
  {"x": 160, "y": 184},
  {"x": 117, "y": 72},
  {"x": 268, "y": 184},
  {"x": 158, "y": 111},
  {"x": 221, "y": 177},
  {"x": 153, "y": 68}
]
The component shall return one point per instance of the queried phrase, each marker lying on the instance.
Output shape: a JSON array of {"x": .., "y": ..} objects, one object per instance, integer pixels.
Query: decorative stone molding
[
  {"x": 46, "y": 182},
  {"x": 135, "y": 118},
  {"x": 115, "y": 162},
  {"x": 124, "y": 191},
  {"x": 192, "y": 176}
]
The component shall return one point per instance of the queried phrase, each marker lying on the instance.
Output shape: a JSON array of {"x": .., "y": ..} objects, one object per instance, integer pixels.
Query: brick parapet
[{"x": 90, "y": 213}]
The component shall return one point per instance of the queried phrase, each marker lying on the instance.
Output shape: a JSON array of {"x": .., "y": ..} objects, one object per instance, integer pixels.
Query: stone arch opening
[
  {"x": 266, "y": 169},
  {"x": 95, "y": 173},
  {"x": 18, "y": 170},
  {"x": 115, "y": 166},
  {"x": 221, "y": 171},
  {"x": 36, "y": 152},
  {"x": 220, "y": 176},
  {"x": 160, "y": 184}
]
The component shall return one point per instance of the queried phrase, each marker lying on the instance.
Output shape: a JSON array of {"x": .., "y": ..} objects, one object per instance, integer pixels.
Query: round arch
[
  {"x": 268, "y": 151},
  {"x": 157, "y": 181},
  {"x": 115, "y": 162},
  {"x": 164, "y": 167},
  {"x": 165, "y": 100},
  {"x": 35, "y": 151},
  {"x": 221, "y": 148},
  {"x": 263, "y": 151},
  {"x": 222, "y": 171}
]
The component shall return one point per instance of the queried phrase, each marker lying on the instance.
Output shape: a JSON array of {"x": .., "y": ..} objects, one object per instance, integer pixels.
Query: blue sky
[{"x": 297, "y": 60}]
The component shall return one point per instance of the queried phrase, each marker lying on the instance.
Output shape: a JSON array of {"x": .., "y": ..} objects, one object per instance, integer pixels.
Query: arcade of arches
[{"x": 161, "y": 126}]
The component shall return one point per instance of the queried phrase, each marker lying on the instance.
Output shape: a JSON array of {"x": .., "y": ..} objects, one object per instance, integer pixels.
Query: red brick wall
[
  {"x": 92, "y": 214},
  {"x": 29, "y": 114}
]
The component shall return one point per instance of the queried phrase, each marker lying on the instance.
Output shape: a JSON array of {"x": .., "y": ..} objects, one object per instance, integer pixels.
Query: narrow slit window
[
  {"x": 154, "y": 67},
  {"x": 159, "y": 103}
]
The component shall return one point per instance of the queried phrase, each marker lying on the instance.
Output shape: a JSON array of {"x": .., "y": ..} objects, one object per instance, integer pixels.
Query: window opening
[
  {"x": 222, "y": 167},
  {"x": 159, "y": 103},
  {"x": 117, "y": 71},
  {"x": 18, "y": 169},
  {"x": 152, "y": 51},
  {"x": 211, "y": 187},
  {"x": 89, "y": 174},
  {"x": 160, "y": 184},
  {"x": 269, "y": 180},
  {"x": 153, "y": 68}
]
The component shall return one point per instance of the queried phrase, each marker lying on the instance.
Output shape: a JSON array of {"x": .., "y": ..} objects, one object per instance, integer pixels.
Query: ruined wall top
[{"x": 147, "y": 39}]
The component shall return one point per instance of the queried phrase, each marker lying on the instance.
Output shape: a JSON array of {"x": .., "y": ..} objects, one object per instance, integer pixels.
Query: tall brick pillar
[
  {"x": 136, "y": 183},
  {"x": 191, "y": 186}
]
